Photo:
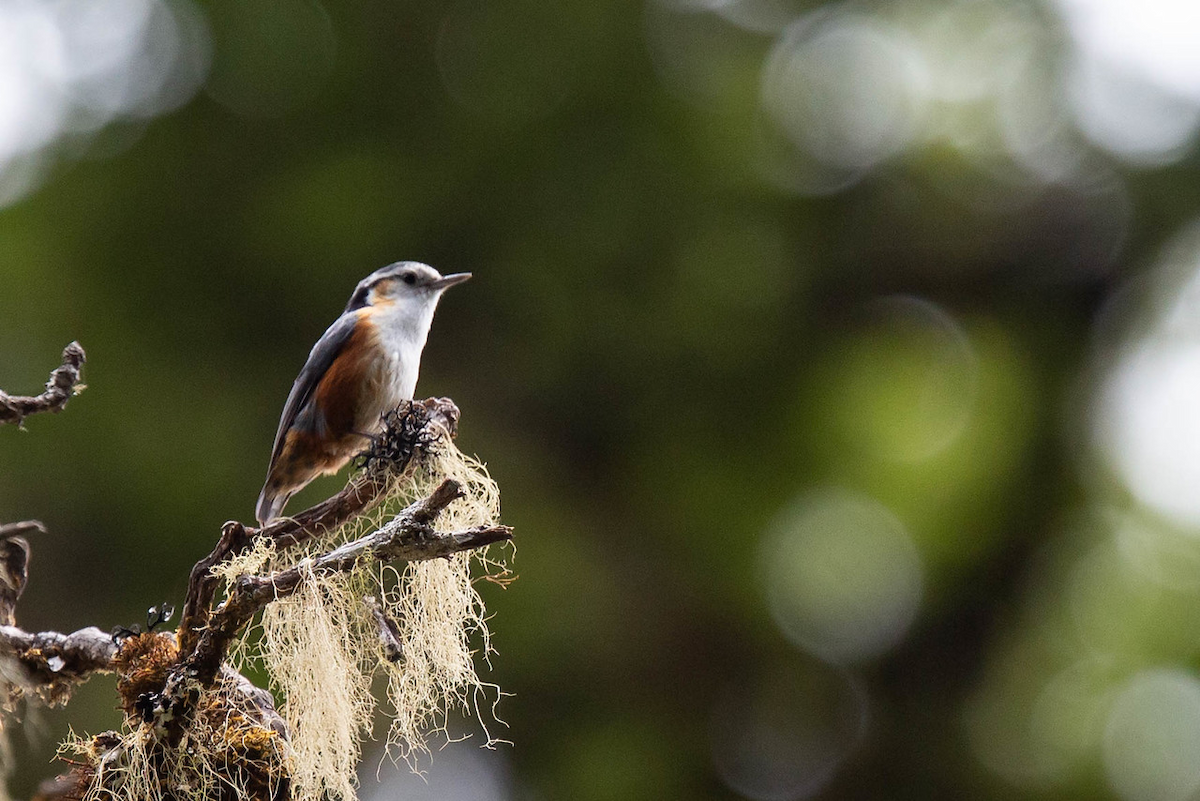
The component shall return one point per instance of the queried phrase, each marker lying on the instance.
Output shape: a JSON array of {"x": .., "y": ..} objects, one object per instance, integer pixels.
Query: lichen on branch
[{"x": 404, "y": 532}]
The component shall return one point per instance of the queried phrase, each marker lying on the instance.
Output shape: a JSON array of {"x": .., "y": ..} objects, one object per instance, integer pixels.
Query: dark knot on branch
[{"x": 411, "y": 428}]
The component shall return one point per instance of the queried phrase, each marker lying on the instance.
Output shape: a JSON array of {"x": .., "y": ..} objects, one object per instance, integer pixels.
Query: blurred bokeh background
[{"x": 839, "y": 362}]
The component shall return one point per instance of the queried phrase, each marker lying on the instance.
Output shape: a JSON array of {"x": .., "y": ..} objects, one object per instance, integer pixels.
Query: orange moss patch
[{"x": 142, "y": 664}]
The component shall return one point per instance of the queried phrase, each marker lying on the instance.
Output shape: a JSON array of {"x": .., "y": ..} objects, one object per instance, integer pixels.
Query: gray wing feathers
[{"x": 319, "y": 359}]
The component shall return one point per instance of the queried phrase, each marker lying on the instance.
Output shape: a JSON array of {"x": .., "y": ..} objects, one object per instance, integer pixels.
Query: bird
[{"x": 363, "y": 366}]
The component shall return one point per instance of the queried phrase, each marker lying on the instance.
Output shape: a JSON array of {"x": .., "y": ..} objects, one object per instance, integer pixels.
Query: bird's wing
[{"x": 320, "y": 358}]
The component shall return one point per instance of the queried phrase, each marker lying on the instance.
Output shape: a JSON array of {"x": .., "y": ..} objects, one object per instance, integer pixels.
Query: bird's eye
[{"x": 409, "y": 278}]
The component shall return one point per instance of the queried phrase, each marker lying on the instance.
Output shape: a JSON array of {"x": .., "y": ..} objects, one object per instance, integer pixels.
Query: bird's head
[{"x": 408, "y": 284}]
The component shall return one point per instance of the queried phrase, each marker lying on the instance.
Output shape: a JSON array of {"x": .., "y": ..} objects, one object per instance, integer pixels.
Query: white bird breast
[{"x": 400, "y": 333}]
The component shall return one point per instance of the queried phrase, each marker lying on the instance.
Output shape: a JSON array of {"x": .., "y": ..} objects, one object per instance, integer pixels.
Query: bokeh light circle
[
  {"x": 842, "y": 576},
  {"x": 1160, "y": 553},
  {"x": 783, "y": 734},
  {"x": 1145, "y": 419},
  {"x": 1067, "y": 718},
  {"x": 908, "y": 382},
  {"x": 1153, "y": 429},
  {"x": 847, "y": 89},
  {"x": 1156, "y": 39},
  {"x": 1153, "y": 736},
  {"x": 70, "y": 69},
  {"x": 1129, "y": 116},
  {"x": 1134, "y": 78}
]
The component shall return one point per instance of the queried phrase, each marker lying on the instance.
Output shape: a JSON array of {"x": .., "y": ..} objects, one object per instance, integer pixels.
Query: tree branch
[
  {"x": 48, "y": 663},
  {"x": 417, "y": 427},
  {"x": 24, "y": 527},
  {"x": 14, "y": 565},
  {"x": 52, "y": 663},
  {"x": 413, "y": 428},
  {"x": 62, "y": 386},
  {"x": 408, "y": 537},
  {"x": 388, "y": 629},
  {"x": 162, "y": 685}
]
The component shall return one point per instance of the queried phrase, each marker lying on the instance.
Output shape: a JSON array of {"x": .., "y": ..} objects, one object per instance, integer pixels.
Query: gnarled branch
[
  {"x": 52, "y": 664},
  {"x": 415, "y": 426},
  {"x": 205, "y": 634},
  {"x": 172, "y": 681},
  {"x": 48, "y": 663},
  {"x": 62, "y": 386},
  {"x": 407, "y": 538},
  {"x": 14, "y": 565}
]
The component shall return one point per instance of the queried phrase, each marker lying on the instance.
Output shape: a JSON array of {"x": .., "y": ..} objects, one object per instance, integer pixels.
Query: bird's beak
[{"x": 447, "y": 281}]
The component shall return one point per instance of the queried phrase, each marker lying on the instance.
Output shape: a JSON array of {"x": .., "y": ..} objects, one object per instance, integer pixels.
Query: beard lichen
[
  {"x": 226, "y": 753},
  {"x": 321, "y": 646},
  {"x": 439, "y": 613},
  {"x": 313, "y": 650}
]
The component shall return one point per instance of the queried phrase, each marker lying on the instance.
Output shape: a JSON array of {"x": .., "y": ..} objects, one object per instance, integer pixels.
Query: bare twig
[
  {"x": 14, "y": 566},
  {"x": 49, "y": 663},
  {"x": 408, "y": 538},
  {"x": 52, "y": 663},
  {"x": 63, "y": 384},
  {"x": 22, "y": 528},
  {"x": 202, "y": 584},
  {"x": 389, "y": 631}
]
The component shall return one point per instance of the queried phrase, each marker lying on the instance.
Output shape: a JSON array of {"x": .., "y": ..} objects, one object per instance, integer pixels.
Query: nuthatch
[{"x": 360, "y": 368}]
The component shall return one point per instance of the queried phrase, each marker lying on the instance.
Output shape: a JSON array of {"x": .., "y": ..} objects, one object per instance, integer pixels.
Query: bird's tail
[{"x": 270, "y": 504}]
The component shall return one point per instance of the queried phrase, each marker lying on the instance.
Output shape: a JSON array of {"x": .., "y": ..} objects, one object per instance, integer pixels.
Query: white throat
[{"x": 403, "y": 327}]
